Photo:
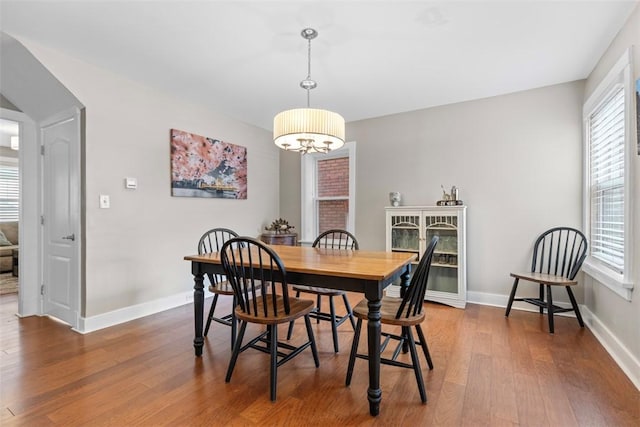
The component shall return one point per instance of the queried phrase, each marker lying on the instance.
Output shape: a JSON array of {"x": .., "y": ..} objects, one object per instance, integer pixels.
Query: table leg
[
  {"x": 374, "y": 394},
  {"x": 198, "y": 310}
]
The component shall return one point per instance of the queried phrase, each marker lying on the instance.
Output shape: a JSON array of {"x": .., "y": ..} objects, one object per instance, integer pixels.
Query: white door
[{"x": 61, "y": 215}]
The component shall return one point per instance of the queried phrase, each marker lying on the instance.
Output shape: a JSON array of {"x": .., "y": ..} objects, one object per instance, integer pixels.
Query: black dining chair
[
  {"x": 405, "y": 312},
  {"x": 259, "y": 282},
  {"x": 212, "y": 241},
  {"x": 558, "y": 254},
  {"x": 333, "y": 239}
]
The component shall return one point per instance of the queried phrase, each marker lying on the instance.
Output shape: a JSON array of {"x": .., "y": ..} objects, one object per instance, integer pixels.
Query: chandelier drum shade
[{"x": 308, "y": 130}]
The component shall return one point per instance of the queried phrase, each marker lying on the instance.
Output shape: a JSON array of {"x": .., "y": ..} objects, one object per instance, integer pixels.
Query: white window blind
[
  {"x": 9, "y": 193},
  {"x": 607, "y": 149}
]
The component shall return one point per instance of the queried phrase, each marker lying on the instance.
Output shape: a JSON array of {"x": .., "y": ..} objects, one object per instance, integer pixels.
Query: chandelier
[{"x": 308, "y": 130}]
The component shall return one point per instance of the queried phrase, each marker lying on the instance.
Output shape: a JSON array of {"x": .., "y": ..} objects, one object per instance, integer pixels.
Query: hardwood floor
[{"x": 489, "y": 370}]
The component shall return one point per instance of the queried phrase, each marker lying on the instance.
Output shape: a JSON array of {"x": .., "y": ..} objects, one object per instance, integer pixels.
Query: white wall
[
  {"x": 134, "y": 250},
  {"x": 516, "y": 159},
  {"x": 615, "y": 320}
]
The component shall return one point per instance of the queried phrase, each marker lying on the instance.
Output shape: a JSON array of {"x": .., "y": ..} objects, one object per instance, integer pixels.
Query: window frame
[
  {"x": 309, "y": 177},
  {"x": 620, "y": 75},
  {"x": 13, "y": 163}
]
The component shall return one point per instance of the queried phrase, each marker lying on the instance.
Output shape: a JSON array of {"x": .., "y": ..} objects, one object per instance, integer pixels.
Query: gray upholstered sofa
[{"x": 10, "y": 230}]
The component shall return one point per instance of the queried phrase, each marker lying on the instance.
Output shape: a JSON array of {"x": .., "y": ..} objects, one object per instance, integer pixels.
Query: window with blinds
[
  {"x": 607, "y": 148},
  {"x": 608, "y": 184},
  {"x": 9, "y": 193}
]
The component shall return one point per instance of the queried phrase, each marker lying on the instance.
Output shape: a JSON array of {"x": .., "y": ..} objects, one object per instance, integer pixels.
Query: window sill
[{"x": 615, "y": 282}]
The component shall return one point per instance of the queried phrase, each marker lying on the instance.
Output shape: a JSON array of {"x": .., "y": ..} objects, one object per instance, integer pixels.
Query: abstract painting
[{"x": 207, "y": 167}]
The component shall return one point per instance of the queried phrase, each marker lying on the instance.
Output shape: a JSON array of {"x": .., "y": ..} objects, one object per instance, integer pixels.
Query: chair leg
[
  {"x": 416, "y": 366},
  {"x": 273, "y": 332},
  {"x": 334, "y": 327},
  {"x": 290, "y": 330},
  {"x": 549, "y": 308},
  {"x": 354, "y": 350},
  {"x": 318, "y": 304},
  {"x": 349, "y": 311},
  {"x": 425, "y": 348},
  {"x": 211, "y": 310},
  {"x": 236, "y": 351},
  {"x": 541, "y": 297},
  {"x": 575, "y": 306},
  {"x": 234, "y": 323},
  {"x": 512, "y": 295},
  {"x": 405, "y": 343},
  {"x": 312, "y": 340}
]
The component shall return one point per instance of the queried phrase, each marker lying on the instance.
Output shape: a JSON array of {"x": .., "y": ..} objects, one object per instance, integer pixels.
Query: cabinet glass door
[
  {"x": 443, "y": 276},
  {"x": 405, "y": 233}
]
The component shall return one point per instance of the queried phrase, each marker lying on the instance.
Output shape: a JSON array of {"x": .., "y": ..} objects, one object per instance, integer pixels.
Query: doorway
[{"x": 9, "y": 205}]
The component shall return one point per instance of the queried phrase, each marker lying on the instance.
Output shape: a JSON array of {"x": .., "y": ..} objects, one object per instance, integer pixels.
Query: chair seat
[
  {"x": 298, "y": 308},
  {"x": 222, "y": 288},
  {"x": 545, "y": 279},
  {"x": 318, "y": 291},
  {"x": 388, "y": 310}
]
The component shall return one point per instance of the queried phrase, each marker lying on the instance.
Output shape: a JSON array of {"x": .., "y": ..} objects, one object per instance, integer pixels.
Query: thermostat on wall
[{"x": 131, "y": 183}]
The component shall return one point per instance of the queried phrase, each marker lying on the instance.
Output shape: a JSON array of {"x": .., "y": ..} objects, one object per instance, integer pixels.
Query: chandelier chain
[{"x": 308, "y": 72}]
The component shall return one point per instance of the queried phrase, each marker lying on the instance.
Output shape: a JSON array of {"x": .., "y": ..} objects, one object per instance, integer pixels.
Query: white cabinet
[{"x": 410, "y": 229}]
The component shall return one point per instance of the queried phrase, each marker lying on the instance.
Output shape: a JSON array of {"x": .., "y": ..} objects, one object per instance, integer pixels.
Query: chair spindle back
[
  {"x": 253, "y": 270},
  {"x": 336, "y": 239},
  {"x": 559, "y": 251},
  {"x": 414, "y": 296},
  {"x": 212, "y": 241}
]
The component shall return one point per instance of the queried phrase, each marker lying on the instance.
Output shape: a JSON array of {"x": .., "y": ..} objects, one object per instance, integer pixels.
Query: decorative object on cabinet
[
  {"x": 395, "y": 198},
  {"x": 279, "y": 233},
  {"x": 207, "y": 167},
  {"x": 410, "y": 229},
  {"x": 450, "y": 199},
  {"x": 280, "y": 226}
]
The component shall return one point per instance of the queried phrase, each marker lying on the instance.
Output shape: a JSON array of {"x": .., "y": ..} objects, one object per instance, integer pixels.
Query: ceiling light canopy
[{"x": 308, "y": 130}]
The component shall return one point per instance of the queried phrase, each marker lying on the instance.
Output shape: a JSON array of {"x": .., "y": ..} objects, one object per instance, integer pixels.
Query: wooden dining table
[{"x": 366, "y": 272}]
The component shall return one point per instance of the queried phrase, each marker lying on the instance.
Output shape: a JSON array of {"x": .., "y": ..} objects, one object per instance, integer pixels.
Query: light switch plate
[{"x": 105, "y": 202}]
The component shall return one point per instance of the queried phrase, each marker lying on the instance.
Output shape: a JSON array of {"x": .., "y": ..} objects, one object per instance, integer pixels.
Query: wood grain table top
[{"x": 368, "y": 265}]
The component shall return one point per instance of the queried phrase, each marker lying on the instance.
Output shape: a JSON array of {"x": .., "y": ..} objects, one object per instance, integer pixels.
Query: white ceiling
[{"x": 371, "y": 58}]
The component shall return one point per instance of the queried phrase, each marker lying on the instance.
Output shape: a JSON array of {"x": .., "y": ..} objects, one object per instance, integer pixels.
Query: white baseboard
[
  {"x": 629, "y": 364},
  {"x": 115, "y": 317},
  {"x": 621, "y": 354}
]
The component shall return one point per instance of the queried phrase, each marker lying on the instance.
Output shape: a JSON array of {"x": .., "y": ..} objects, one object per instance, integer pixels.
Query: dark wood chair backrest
[
  {"x": 414, "y": 295},
  {"x": 254, "y": 269},
  {"x": 336, "y": 239},
  {"x": 559, "y": 251},
  {"x": 212, "y": 241}
]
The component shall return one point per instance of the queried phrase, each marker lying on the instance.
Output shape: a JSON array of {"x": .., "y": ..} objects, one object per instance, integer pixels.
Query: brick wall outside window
[
  {"x": 333, "y": 177},
  {"x": 332, "y": 214},
  {"x": 333, "y": 181}
]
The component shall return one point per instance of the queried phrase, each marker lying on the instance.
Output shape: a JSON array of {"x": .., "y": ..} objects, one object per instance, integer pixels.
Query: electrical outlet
[{"x": 189, "y": 297}]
